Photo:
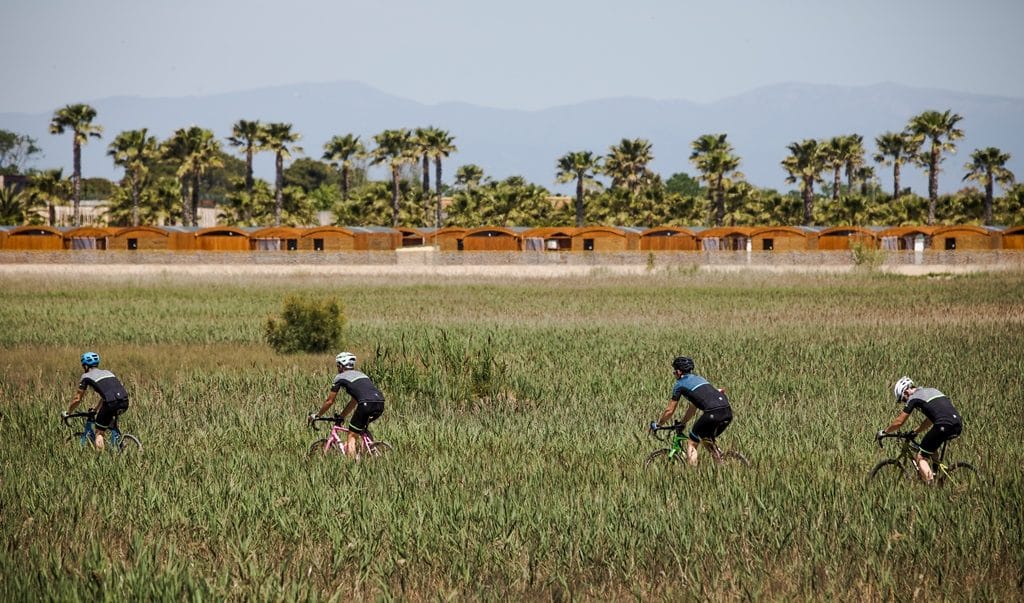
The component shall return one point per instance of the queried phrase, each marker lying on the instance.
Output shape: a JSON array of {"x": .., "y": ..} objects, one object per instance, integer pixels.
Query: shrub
[
  {"x": 306, "y": 325},
  {"x": 866, "y": 256}
]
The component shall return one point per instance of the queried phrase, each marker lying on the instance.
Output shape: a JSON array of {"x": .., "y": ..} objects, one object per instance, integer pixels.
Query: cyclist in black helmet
[
  {"x": 711, "y": 401},
  {"x": 113, "y": 397}
]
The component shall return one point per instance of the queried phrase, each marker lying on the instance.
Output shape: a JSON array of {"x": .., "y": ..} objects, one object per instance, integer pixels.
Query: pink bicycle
[{"x": 334, "y": 444}]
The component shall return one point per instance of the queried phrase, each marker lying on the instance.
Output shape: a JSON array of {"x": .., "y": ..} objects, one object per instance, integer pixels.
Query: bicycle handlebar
[
  {"x": 335, "y": 419},
  {"x": 91, "y": 414},
  {"x": 903, "y": 435},
  {"x": 677, "y": 426}
]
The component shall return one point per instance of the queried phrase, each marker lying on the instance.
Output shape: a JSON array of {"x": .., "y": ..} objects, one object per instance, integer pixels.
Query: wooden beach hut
[
  {"x": 906, "y": 238},
  {"x": 606, "y": 238},
  {"x": 327, "y": 238},
  {"x": 1013, "y": 238},
  {"x": 965, "y": 238},
  {"x": 34, "y": 238},
  {"x": 843, "y": 238},
  {"x": 413, "y": 237},
  {"x": 724, "y": 238},
  {"x": 780, "y": 238},
  {"x": 449, "y": 238},
  {"x": 376, "y": 238},
  {"x": 88, "y": 237},
  {"x": 219, "y": 238},
  {"x": 493, "y": 238},
  {"x": 135, "y": 238},
  {"x": 275, "y": 238},
  {"x": 548, "y": 238},
  {"x": 668, "y": 238}
]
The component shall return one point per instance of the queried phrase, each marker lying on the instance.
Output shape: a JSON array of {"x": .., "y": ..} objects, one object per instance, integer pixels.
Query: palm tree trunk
[
  {"x": 278, "y": 187},
  {"x": 394, "y": 195},
  {"x": 988, "y": 198},
  {"x": 426, "y": 174},
  {"x": 808, "y": 192},
  {"x": 186, "y": 214},
  {"x": 76, "y": 181},
  {"x": 719, "y": 201},
  {"x": 136, "y": 193},
  {"x": 895, "y": 179},
  {"x": 579, "y": 200},
  {"x": 248, "y": 170},
  {"x": 933, "y": 183},
  {"x": 835, "y": 184},
  {"x": 437, "y": 187},
  {"x": 344, "y": 182},
  {"x": 195, "y": 198}
]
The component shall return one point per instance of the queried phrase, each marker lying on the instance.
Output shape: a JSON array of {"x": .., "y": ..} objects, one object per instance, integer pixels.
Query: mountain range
[{"x": 506, "y": 142}]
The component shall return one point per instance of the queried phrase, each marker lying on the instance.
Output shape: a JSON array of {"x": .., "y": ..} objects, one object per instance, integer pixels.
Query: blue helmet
[{"x": 90, "y": 359}]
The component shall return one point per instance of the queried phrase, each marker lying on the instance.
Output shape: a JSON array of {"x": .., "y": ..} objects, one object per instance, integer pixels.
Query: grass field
[{"x": 517, "y": 413}]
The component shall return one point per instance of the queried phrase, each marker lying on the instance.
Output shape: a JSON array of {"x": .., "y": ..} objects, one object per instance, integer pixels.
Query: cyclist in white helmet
[
  {"x": 941, "y": 417},
  {"x": 367, "y": 401}
]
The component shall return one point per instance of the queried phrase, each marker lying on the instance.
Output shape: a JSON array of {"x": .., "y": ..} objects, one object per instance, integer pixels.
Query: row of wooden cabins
[{"x": 595, "y": 238}]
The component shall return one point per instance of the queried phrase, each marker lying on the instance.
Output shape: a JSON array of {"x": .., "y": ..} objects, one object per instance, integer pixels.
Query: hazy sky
[{"x": 525, "y": 54}]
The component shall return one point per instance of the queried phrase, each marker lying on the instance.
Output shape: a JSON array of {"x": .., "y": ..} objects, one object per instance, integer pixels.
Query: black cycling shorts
[
  {"x": 711, "y": 424},
  {"x": 366, "y": 413},
  {"x": 109, "y": 411},
  {"x": 938, "y": 435}
]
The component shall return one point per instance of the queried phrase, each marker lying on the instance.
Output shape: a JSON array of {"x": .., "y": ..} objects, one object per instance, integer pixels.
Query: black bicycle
[
  {"x": 676, "y": 452},
  {"x": 117, "y": 441},
  {"x": 903, "y": 468}
]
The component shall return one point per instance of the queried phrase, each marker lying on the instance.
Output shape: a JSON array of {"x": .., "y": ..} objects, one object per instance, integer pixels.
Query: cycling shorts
[
  {"x": 937, "y": 436},
  {"x": 366, "y": 413},
  {"x": 711, "y": 424},
  {"x": 108, "y": 413}
]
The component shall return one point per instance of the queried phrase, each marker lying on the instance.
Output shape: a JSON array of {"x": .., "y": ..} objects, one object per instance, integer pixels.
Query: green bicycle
[
  {"x": 676, "y": 453},
  {"x": 902, "y": 467}
]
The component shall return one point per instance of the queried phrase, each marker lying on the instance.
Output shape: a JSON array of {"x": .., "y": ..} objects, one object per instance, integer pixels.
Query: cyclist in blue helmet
[
  {"x": 113, "y": 396},
  {"x": 716, "y": 414}
]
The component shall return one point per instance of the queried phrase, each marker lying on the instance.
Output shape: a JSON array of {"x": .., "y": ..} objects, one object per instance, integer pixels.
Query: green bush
[{"x": 306, "y": 325}]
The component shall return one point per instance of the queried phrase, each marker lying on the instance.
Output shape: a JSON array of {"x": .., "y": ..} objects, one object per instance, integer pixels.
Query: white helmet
[
  {"x": 346, "y": 360},
  {"x": 901, "y": 387}
]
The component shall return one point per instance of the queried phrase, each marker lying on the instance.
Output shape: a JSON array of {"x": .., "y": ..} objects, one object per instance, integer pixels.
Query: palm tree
[
  {"x": 14, "y": 206},
  {"x": 134, "y": 151},
  {"x": 987, "y": 167},
  {"x": 439, "y": 145},
  {"x": 279, "y": 138},
  {"x": 853, "y": 153},
  {"x": 713, "y": 156},
  {"x": 469, "y": 176},
  {"x": 804, "y": 166},
  {"x": 895, "y": 149},
  {"x": 626, "y": 163},
  {"x": 47, "y": 189},
  {"x": 78, "y": 119},
  {"x": 421, "y": 144},
  {"x": 581, "y": 167},
  {"x": 396, "y": 148},
  {"x": 941, "y": 129},
  {"x": 247, "y": 134},
  {"x": 196, "y": 151},
  {"x": 341, "y": 151}
]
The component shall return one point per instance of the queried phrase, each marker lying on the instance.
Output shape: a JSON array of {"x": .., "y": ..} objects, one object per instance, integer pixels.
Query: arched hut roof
[
  {"x": 843, "y": 231},
  {"x": 328, "y": 230},
  {"x": 148, "y": 230},
  {"x": 668, "y": 231},
  {"x": 792, "y": 231},
  {"x": 276, "y": 232},
  {"x": 490, "y": 231}
]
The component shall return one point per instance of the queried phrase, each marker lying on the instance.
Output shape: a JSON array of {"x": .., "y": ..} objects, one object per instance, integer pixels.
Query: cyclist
[
  {"x": 711, "y": 401},
  {"x": 940, "y": 415},
  {"x": 113, "y": 396},
  {"x": 367, "y": 401}
]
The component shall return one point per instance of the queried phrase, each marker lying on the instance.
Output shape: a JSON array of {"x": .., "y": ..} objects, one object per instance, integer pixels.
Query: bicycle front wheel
[
  {"x": 78, "y": 439},
  {"x": 890, "y": 471},
  {"x": 319, "y": 449},
  {"x": 664, "y": 457},
  {"x": 959, "y": 476},
  {"x": 378, "y": 450}
]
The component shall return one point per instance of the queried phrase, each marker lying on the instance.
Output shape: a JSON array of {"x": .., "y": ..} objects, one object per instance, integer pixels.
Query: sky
[{"x": 524, "y": 54}]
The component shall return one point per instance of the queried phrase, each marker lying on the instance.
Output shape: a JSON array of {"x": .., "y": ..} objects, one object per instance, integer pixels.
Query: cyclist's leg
[
  {"x": 365, "y": 413},
  {"x": 722, "y": 420},
  {"x": 930, "y": 443},
  {"x": 104, "y": 419}
]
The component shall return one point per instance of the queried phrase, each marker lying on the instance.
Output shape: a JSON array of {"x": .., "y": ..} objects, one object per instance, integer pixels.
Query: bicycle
[
  {"x": 118, "y": 441},
  {"x": 903, "y": 467},
  {"x": 334, "y": 444},
  {"x": 677, "y": 450}
]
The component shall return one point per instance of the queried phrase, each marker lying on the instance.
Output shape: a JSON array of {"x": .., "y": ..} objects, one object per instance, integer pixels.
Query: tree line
[{"x": 836, "y": 183}]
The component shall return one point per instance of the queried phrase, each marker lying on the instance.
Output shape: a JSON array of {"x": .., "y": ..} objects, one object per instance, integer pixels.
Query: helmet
[
  {"x": 90, "y": 359},
  {"x": 683, "y": 363},
  {"x": 346, "y": 360},
  {"x": 901, "y": 387}
]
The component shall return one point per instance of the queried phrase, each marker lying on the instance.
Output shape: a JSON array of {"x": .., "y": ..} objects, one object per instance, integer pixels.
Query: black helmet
[{"x": 683, "y": 363}]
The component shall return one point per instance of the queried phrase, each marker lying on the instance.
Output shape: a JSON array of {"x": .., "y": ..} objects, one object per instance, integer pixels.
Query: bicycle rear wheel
[
  {"x": 378, "y": 450},
  {"x": 959, "y": 476},
  {"x": 319, "y": 449},
  {"x": 734, "y": 457},
  {"x": 128, "y": 445},
  {"x": 664, "y": 457},
  {"x": 890, "y": 471}
]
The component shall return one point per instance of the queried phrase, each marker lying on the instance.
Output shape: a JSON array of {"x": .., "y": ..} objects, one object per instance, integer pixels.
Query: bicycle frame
[
  {"x": 339, "y": 436},
  {"x": 337, "y": 439},
  {"x": 89, "y": 429},
  {"x": 908, "y": 453}
]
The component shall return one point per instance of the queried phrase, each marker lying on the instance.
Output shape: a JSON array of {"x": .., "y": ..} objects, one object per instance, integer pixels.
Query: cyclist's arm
[
  {"x": 690, "y": 411},
  {"x": 923, "y": 427},
  {"x": 897, "y": 422},
  {"x": 669, "y": 411},
  {"x": 327, "y": 403},
  {"x": 76, "y": 400},
  {"x": 349, "y": 407}
]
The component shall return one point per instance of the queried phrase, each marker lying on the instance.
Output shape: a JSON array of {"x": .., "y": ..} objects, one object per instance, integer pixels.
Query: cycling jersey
[
  {"x": 357, "y": 385},
  {"x": 934, "y": 404},
  {"x": 697, "y": 390},
  {"x": 105, "y": 384}
]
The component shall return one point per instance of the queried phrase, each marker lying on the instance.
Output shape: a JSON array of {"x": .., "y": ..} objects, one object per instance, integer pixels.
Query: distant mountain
[{"x": 505, "y": 142}]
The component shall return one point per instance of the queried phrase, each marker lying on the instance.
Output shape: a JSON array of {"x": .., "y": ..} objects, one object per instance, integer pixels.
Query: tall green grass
[{"x": 517, "y": 414}]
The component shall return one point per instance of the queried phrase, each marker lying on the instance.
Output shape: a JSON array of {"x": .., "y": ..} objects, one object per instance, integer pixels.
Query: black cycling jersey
[
  {"x": 934, "y": 404},
  {"x": 105, "y": 384},
  {"x": 357, "y": 385},
  {"x": 697, "y": 390}
]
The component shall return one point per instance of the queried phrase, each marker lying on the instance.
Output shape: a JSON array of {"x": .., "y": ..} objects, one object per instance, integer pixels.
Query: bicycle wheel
[
  {"x": 378, "y": 450},
  {"x": 77, "y": 439},
  {"x": 959, "y": 476},
  {"x": 664, "y": 458},
  {"x": 890, "y": 471},
  {"x": 734, "y": 457},
  {"x": 319, "y": 449},
  {"x": 128, "y": 445}
]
